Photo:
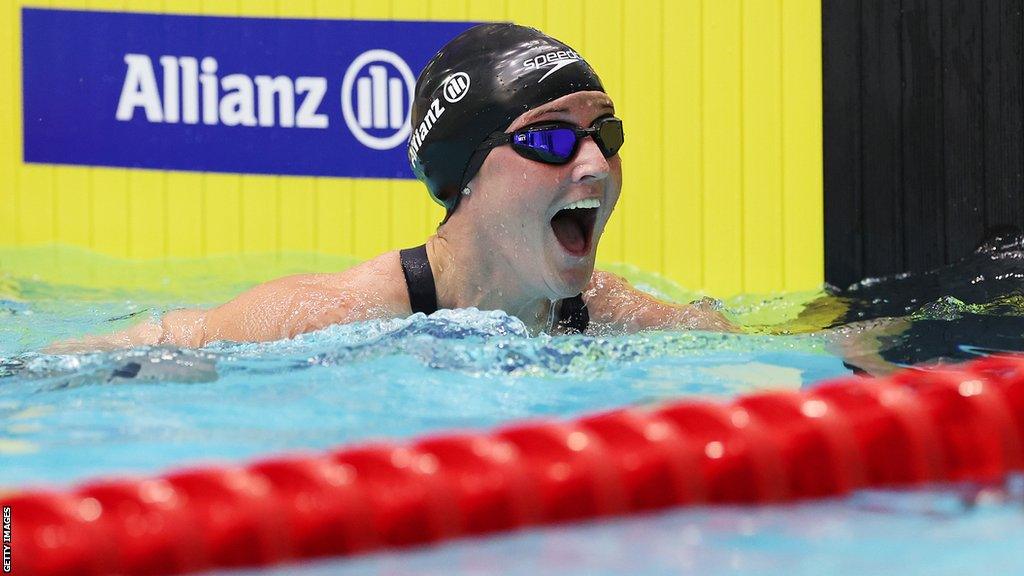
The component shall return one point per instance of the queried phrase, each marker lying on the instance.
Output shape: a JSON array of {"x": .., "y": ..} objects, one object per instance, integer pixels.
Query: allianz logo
[
  {"x": 454, "y": 88},
  {"x": 375, "y": 101}
]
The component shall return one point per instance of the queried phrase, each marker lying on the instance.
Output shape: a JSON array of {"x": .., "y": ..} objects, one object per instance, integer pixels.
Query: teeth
[{"x": 585, "y": 203}]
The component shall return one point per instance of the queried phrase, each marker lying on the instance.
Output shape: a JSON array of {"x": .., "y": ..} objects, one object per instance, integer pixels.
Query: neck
[{"x": 466, "y": 274}]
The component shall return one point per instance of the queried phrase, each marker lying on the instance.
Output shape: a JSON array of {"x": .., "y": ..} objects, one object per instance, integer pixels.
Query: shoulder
[
  {"x": 377, "y": 283},
  {"x": 609, "y": 298},
  {"x": 382, "y": 268},
  {"x": 300, "y": 303},
  {"x": 607, "y": 290},
  {"x": 603, "y": 283},
  {"x": 614, "y": 303},
  {"x": 373, "y": 289},
  {"x": 379, "y": 279}
]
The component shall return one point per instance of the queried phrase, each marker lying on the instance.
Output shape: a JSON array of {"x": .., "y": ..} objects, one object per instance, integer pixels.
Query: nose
[{"x": 590, "y": 164}]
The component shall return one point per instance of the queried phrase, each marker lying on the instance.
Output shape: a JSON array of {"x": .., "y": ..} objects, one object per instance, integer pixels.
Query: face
[{"x": 524, "y": 211}]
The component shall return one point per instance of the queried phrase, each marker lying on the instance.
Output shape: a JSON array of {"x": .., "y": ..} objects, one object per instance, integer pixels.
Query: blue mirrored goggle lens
[
  {"x": 550, "y": 145},
  {"x": 558, "y": 144}
]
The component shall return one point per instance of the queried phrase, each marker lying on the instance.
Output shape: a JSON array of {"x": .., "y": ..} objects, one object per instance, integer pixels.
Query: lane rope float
[{"x": 951, "y": 423}]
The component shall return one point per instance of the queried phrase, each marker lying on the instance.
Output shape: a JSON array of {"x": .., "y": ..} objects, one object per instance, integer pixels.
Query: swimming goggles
[{"x": 557, "y": 142}]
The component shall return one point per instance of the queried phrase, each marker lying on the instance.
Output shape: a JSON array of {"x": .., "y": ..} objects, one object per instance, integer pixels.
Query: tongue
[{"x": 569, "y": 232}]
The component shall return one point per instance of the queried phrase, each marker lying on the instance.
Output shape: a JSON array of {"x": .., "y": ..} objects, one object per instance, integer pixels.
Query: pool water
[
  {"x": 64, "y": 419},
  {"x": 879, "y": 533}
]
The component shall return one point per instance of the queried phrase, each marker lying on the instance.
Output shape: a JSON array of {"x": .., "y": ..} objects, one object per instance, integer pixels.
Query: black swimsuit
[{"x": 572, "y": 316}]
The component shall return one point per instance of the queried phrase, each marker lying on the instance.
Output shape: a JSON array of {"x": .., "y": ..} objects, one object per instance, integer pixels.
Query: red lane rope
[{"x": 953, "y": 423}]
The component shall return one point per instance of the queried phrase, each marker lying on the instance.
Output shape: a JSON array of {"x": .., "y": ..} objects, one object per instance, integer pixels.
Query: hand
[
  {"x": 703, "y": 315},
  {"x": 145, "y": 334}
]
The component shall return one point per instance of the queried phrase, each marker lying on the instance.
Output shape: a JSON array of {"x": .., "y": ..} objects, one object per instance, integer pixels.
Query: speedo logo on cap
[{"x": 555, "y": 60}]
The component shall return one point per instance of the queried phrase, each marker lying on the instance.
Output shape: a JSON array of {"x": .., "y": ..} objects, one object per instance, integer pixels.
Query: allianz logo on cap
[
  {"x": 456, "y": 86},
  {"x": 376, "y": 96}
]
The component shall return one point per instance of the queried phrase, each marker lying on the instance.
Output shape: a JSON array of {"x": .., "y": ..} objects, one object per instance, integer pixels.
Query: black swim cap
[{"x": 477, "y": 84}]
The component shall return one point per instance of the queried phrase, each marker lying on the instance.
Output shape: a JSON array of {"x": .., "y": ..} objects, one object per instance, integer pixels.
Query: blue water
[
  {"x": 72, "y": 417},
  {"x": 929, "y": 533},
  {"x": 67, "y": 418}
]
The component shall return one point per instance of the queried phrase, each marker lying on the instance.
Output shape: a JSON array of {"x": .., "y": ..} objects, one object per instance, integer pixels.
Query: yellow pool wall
[{"x": 722, "y": 190}]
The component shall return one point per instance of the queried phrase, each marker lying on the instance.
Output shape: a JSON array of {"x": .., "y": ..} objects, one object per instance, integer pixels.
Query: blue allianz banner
[{"x": 250, "y": 95}]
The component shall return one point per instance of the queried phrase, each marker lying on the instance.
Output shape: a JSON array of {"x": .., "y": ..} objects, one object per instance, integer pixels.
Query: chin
[
  {"x": 567, "y": 275},
  {"x": 569, "y": 282}
]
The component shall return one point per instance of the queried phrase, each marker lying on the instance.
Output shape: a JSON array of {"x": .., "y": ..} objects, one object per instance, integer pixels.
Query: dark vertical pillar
[
  {"x": 924, "y": 131},
  {"x": 1004, "y": 161},
  {"x": 923, "y": 184},
  {"x": 881, "y": 107},
  {"x": 963, "y": 123},
  {"x": 842, "y": 145}
]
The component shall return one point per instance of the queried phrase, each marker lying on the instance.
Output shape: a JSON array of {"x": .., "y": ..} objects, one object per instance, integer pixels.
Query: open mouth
[{"x": 574, "y": 226}]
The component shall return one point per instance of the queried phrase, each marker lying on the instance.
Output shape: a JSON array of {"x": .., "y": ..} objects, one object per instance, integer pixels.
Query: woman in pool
[{"x": 514, "y": 134}]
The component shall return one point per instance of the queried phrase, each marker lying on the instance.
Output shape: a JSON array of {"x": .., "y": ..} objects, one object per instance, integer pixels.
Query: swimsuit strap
[
  {"x": 419, "y": 279},
  {"x": 572, "y": 314}
]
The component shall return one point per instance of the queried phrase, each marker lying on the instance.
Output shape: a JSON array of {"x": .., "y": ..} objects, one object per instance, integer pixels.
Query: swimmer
[{"x": 514, "y": 134}]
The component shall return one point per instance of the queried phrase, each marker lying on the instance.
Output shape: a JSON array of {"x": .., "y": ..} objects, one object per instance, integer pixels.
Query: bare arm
[
  {"x": 281, "y": 308},
  {"x": 177, "y": 327},
  {"x": 616, "y": 304},
  {"x": 284, "y": 308}
]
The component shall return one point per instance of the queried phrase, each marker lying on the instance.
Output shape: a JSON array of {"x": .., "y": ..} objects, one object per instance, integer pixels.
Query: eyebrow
[
  {"x": 606, "y": 105},
  {"x": 551, "y": 111}
]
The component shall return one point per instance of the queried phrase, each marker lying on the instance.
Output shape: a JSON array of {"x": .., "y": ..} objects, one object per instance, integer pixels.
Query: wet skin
[{"x": 497, "y": 251}]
